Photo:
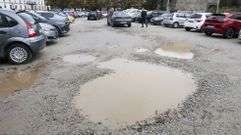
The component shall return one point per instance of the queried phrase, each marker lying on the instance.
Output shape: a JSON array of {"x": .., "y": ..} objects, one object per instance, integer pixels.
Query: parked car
[
  {"x": 20, "y": 37},
  {"x": 157, "y": 13},
  {"x": 239, "y": 35},
  {"x": 135, "y": 14},
  {"x": 196, "y": 21},
  {"x": 49, "y": 31},
  {"x": 81, "y": 13},
  {"x": 227, "y": 24},
  {"x": 175, "y": 20},
  {"x": 93, "y": 15},
  {"x": 104, "y": 13},
  {"x": 61, "y": 26},
  {"x": 119, "y": 18},
  {"x": 159, "y": 19},
  {"x": 66, "y": 14}
]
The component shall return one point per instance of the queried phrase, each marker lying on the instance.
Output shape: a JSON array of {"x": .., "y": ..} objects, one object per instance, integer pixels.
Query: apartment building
[{"x": 23, "y": 4}]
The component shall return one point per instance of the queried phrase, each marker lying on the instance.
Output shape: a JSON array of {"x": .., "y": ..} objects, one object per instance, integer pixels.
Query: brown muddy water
[
  {"x": 78, "y": 58},
  {"x": 18, "y": 80},
  {"x": 176, "y": 50},
  {"x": 134, "y": 92}
]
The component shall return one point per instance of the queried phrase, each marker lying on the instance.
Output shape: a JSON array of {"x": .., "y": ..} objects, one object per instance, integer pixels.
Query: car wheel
[
  {"x": 58, "y": 31},
  {"x": 175, "y": 25},
  {"x": 208, "y": 33},
  {"x": 112, "y": 24},
  {"x": 187, "y": 29},
  {"x": 19, "y": 53},
  {"x": 229, "y": 33},
  {"x": 201, "y": 29}
]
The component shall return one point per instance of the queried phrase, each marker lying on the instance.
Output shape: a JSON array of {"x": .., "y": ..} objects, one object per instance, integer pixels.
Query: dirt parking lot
[{"x": 102, "y": 80}]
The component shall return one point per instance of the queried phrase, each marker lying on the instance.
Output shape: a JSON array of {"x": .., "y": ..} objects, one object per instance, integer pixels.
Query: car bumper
[
  {"x": 156, "y": 21},
  {"x": 121, "y": 22},
  {"x": 36, "y": 44},
  {"x": 214, "y": 29},
  {"x": 193, "y": 25},
  {"x": 51, "y": 35}
]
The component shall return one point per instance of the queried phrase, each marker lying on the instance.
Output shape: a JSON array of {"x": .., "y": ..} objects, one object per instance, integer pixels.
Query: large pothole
[{"x": 134, "y": 92}]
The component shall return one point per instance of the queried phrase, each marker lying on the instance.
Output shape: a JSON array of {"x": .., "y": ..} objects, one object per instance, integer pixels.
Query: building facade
[{"x": 23, "y": 4}]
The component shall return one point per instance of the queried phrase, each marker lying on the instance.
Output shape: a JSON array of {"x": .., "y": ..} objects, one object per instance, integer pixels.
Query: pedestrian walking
[{"x": 144, "y": 18}]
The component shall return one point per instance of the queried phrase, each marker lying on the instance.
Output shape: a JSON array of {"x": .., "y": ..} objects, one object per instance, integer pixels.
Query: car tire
[
  {"x": 229, "y": 33},
  {"x": 112, "y": 24},
  {"x": 201, "y": 29},
  {"x": 208, "y": 33},
  {"x": 129, "y": 25},
  {"x": 58, "y": 31},
  {"x": 19, "y": 53},
  {"x": 175, "y": 25},
  {"x": 187, "y": 29}
]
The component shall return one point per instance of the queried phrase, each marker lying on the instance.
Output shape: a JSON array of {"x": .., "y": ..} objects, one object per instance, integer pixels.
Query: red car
[{"x": 227, "y": 24}]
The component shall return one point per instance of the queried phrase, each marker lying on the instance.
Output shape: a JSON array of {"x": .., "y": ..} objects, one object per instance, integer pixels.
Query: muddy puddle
[
  {"x": 18, "y": 80},
  {"x": 134, "y": 92},
  {"x": 79, "y": 58},
  {"x": 176, "y": 50}
]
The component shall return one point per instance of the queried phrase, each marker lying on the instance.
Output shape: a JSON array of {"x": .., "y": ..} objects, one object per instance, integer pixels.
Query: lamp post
[
  {"x": 218, "y": 3},
  {"x": 168, "y": 5}
]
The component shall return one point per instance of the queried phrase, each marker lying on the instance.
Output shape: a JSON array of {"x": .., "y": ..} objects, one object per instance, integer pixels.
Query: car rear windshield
[
  {"x": 217, "y": 16},
  {"x": 38, "y": 15},
  {"x": 26, "y": 17},
  {"x": 196, "y": 16}
]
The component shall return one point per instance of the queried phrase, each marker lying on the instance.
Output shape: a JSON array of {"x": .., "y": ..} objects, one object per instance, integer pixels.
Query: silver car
[
  {"x": 20, "y": 37},
  {"x": 175, "y": 20},
  {"x": 49, "y": 31},
  {"x": 119, "y": 18}
]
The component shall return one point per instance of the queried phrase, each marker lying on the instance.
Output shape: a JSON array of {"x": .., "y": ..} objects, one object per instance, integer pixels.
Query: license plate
[
  {"x": 190, "y": 21},
  {"x": 123, "y": 22},
  {"x": 210, "y": 26}
]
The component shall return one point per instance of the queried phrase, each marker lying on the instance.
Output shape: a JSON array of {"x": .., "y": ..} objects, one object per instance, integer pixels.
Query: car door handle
[{"x": 3, "y": 32}]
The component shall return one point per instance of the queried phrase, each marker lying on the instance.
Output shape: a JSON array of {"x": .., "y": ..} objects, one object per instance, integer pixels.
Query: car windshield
[
  {"x": 196, "y": 16},
  {"x": 27, "y": 17}
]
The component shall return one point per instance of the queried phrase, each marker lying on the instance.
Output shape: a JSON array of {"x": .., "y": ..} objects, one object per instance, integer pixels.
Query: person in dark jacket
[{"x": 144, "y": 18}]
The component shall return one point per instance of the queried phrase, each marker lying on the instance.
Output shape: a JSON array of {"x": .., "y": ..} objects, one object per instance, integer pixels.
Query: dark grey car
[
  {"x": 119, "y": 18},
  {"x": 20, "y": 37},
  {"x": 59, "y": 22}
]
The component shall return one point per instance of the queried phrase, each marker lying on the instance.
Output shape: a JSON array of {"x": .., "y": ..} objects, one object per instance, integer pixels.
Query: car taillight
[
  {"x": 31, "y": 32},
  {"x": 199, "y": 20}
]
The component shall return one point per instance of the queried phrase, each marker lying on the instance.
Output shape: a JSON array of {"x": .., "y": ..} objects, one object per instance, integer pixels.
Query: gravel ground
[{"x": 47, "y": 108}]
